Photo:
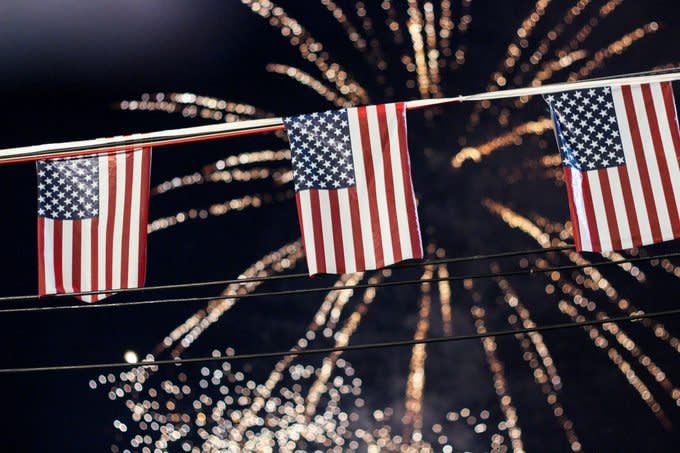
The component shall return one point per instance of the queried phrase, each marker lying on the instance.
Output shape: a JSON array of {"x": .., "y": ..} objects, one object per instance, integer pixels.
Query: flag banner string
[
  {"x": 419, "y": 263},
  {"x": 358, "y": 347},
  {"x": 516, "y": 273},
  {"x": 258, "y": 126}
]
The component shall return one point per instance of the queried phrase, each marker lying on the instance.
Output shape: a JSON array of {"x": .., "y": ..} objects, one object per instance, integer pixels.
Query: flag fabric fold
[
  {"x": 92, "y": 223},
  {"x": 354, "y": 193},
  {"x": 621, "y": 150}
]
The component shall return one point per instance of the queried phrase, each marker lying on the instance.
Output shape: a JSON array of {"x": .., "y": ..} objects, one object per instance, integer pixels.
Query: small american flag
[
  {"x": 355, "y": 199},
  {"x": 92, "y": 217},
  {"x": 621, "y": 148}
]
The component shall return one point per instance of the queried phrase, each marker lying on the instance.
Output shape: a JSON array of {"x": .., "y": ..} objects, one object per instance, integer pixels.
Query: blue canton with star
[
  {"x": 586, "y": 127},
  {"x": 68, "y": 189},
  {"x": 321, "y": 150}
]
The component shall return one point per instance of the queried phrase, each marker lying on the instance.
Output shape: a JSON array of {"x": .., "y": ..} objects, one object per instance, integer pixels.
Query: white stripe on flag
[
  {"x": 327, "y": 231},
  {"x": 103, "y": 216},
  {"x": 600, "y": 211},
  {"x": 398, "y": 177},
  {"x": 380, "y": 185},
  {"x": 620, "y": 208},
  {"x": 67, "y": 254},
  {"x": 652, "y": 164},
  {"x": 632, "y": 167},
  {"x": 308, "y": 230},
  {"x": 133, "y": 246},
  {"x": 86, "y": 257},
  {"x": 667, "y": 141},
  {"x": 48, "y": 256},
  {"x": 579, "y": 205},
  {"x": 361, "y": 188},
  {"x": 118, "y": 219},
  {"x": 346, "y": 229}
]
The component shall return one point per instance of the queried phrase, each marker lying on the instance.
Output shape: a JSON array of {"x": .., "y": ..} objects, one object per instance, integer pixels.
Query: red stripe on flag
[
  {"x": 609, "y": 208},
  {"x": 356, "y": 228},
  {"x": 41, "y": 257},
  {"x": 590, "y": 214},
  {"x": 576, "y": 227},
  {"x": 370, "y": 183},
  {"x": 412, "y": 216},
  {"x": 641, "y": 162},
  {"x": 630, "y": 206},
  {"x": 127, "y": 207},
  {"x": 110, "y": 219},
  {"x": 389, "y": 182},
  {"x": 57, "y": 246},
  {"x": 336, "y": 220},
  {"x": 143, "y": 215},
  {"x": 317, "y": 222},
  {"x": 76, "y": 256},
  {"x": 661, "y": 160}
]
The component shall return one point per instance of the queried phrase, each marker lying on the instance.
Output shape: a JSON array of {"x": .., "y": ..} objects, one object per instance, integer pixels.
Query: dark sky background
[{"x": 68, "y": 63}]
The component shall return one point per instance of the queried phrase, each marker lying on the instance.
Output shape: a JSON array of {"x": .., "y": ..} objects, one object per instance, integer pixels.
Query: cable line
[
  {"x": 523, "y": 272},
  {"x": 358, "y": 347},
  {"x": 462, "y": 259}
]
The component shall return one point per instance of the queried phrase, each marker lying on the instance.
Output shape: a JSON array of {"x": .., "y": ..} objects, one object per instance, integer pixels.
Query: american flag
[
  {"x": 354, "y": 194},
  {"x": 621, "y": 149},
  {"x": 92, "y": 219}
]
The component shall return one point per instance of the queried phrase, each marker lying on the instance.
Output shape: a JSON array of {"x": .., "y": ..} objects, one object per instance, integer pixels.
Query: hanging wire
[
  {"x": 523, "y": 272},
  {"x": 358, "y": 347},
  {"x": 463, "y": 259}
]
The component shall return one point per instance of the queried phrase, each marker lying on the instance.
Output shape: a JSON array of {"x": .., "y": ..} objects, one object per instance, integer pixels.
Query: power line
[
  {"x": 462, "y": 259},
  {"x": 523, "y": 272},
  {"x": 358, "y": 347}
]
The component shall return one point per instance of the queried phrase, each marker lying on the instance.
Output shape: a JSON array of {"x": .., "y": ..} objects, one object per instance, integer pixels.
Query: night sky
[{"x": 67, "y": 65}]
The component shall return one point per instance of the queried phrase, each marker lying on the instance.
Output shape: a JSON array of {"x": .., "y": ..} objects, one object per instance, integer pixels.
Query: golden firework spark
[
  {"x": 590, "y": 278},
  {"x": 445, "y": 299},
  {"x": 307, "y": 80},
  {"x": 256, "y": 200},
  {"x": 463, "y": 26},
  {"x": 334, "y": 301},
  {"x": 513, "y": 137},
  {"x": 341, "y": 339},
  {"x": 624, "y": 367},
  {"x": 499, "y": 381},
  {"x": 310, "y": 49},
  {"x": 615, "y": 48},
  {"x": 415, "y": 28},
  {"x": 546, "y": 376},
  {"x": 415, "y": 382},
  {"x": 432, "y": 50},
  {"x": 191, "y": 105}
]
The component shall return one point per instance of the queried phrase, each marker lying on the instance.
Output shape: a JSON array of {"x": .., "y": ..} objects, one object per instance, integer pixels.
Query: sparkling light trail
[
  {"x": 513, "y": 137},
  {"x": 310, "y": 49},
  {"x": 415, "y": 382},
  {"x": 616, "y": 48},
  {"x": 601, "y": 342},
  {"x": 309, "y": 81},
  {"x": 544, "y": 373},
  {"x": 256, "y": 200},
  {"x": 499, "y": 381},
  {"x": 342, "y": 338},
  {"x": 415, "y": 28}
]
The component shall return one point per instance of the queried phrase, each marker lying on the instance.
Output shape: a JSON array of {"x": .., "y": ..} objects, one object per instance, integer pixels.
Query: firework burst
[{"x": 301, "y": 404}]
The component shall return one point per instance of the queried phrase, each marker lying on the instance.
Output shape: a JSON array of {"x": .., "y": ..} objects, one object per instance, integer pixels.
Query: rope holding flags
[
  {"x": 261, "y": 126},
  {"x": 619, "y": 139}
]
